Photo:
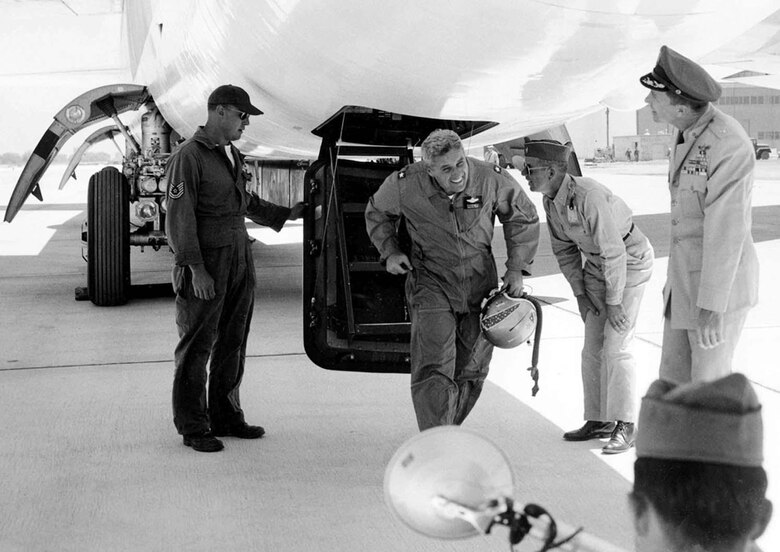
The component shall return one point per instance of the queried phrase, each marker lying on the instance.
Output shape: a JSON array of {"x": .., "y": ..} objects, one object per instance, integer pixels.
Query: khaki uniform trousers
[
  {"x": 682, "y": 360},
  {"x": 608, "y": 365}
]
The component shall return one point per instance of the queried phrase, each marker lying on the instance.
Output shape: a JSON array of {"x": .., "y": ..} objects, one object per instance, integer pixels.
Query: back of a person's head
[
  {"x": 715, "y": 506},
  {"x": 700, "y": 463}
]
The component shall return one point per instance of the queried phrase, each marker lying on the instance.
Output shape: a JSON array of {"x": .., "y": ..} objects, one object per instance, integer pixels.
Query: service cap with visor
[{"x": 681, "y": 76}]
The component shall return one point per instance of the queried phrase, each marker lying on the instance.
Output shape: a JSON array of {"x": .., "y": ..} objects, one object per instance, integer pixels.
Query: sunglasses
[
  {"x": 528, "y": 169},
  {"x": 242, "y": 114}
]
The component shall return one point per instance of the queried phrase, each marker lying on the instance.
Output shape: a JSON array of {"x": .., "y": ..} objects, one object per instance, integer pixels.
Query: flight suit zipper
[{"x": 464, "y": 304}]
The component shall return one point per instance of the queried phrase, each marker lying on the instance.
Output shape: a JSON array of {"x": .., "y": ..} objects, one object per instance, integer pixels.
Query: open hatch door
[
  {"x": 355, "y": 315},
  {"x": 100, "y": 103}
]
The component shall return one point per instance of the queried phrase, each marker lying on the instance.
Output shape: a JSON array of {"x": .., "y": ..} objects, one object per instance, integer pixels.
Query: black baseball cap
[{"x": 227, "y": 94}]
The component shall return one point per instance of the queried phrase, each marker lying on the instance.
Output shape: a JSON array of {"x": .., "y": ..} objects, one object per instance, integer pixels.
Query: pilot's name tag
[{"x": 472, "y": 202}]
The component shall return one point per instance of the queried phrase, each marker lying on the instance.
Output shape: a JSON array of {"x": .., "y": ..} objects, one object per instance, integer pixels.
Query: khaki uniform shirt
[
  {"x": 712, "y": 261},
  {"x": 586, "y": 219}
]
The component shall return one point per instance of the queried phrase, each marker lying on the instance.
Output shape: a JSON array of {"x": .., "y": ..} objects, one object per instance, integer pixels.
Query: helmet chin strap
[
  {"x": 537, "y": 338},
  {"x": 497, "y": 310}
]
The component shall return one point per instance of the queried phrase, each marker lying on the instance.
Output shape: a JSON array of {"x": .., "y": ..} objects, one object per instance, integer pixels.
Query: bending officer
[{"x": 587, "y": 221}]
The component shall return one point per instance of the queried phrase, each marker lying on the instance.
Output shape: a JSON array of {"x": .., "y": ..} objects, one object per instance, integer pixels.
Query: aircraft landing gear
[{"x": 108, "y": 238}]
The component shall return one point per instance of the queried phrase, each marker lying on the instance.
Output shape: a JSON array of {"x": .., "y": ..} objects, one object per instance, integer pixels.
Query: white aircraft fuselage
[{"x": 526, "y": 65}]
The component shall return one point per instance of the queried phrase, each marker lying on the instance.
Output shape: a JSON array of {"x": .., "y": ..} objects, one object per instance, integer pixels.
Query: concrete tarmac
[{"x": 90, "y": 459}]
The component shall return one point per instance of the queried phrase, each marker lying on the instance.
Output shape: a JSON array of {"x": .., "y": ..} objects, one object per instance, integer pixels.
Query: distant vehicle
[{"x": 763, "y": 151}]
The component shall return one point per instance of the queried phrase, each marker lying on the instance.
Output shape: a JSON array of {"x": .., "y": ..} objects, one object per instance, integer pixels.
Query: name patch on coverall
[{"x": 472, "y": 202}]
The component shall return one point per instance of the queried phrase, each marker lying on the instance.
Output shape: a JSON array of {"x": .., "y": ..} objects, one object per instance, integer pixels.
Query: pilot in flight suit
[
  {"x": 712, "y": 277},
  {"x": 587, "y": 221},
  {"x": 451, "y": 268},
  {"x": 207, "y": 203}
]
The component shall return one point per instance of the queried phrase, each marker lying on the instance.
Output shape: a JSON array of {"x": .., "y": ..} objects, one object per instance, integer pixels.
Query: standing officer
[
  {"x": 586, "y": 220},
  {"x": 699, "y": 483},
  {"x": 712, "y": 279},
  {"x": 214, "y": 273},
  {"x": 450, "y": 203}
]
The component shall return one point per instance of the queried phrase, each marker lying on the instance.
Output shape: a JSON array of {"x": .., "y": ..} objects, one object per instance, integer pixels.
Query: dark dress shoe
[
  {"x": 591, "y": 430},
  {"x": 203, "y": 442},
  {"x": 242, "y": 431},
  {"x": 622, "y": 438}
]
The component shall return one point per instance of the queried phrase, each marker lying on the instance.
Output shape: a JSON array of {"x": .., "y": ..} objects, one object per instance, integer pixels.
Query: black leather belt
[{"x": 629, "y": 232}]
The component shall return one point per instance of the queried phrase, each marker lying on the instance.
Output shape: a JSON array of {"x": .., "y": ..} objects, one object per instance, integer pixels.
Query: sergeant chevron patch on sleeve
[{"x": 176, "y": 191}]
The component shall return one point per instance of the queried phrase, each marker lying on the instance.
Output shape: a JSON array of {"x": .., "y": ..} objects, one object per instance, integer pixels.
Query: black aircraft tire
[
  {"x": 764, "y": 155},
  {"x": 108, "y": 238}
]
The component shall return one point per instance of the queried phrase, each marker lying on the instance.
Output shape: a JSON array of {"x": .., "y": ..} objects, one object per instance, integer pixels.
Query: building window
[{"x": 760, "y": 135}]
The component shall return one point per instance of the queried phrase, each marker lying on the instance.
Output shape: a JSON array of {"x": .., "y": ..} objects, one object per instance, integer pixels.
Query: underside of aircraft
[{"x": 353, "y": 92}]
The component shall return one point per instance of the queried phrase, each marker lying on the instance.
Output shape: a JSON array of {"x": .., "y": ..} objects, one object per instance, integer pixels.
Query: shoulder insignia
[
  {"x": 176, "y": 191},
  {"x": 718, "y": 128},
  {"x": 497, "y": 169},
  {"x": 571, "y": 213},
  {"x": 401, "y": 174}
]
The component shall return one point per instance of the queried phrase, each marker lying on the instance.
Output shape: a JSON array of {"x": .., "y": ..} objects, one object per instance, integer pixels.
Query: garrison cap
[
  {"x": 716, "y": 421},
  {"x": 676, "y": 74},
  {"x": 227, "y": 94},
  {"x": 548, "y": 150}
]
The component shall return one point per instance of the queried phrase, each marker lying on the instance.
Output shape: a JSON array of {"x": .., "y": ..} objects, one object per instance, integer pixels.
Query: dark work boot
[
  {"x": 242, "y": 431},
  {"x": 203, "y": 442},
  {"x": 590, "y": 430}
]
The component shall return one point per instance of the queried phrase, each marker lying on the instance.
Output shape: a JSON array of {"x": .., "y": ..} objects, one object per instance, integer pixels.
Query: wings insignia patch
[{"x": 176, "y": 191}]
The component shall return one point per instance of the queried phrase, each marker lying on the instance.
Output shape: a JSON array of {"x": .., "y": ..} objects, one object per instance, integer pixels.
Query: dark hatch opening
[
  {"x": 355, "y": 315},
  {"x": 364, "y": 125}
]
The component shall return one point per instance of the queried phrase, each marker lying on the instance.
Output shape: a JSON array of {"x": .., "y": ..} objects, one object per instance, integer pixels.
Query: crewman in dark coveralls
[
  {"x": 214, "y": 274},
  {"x": 450, "y": 203}
]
